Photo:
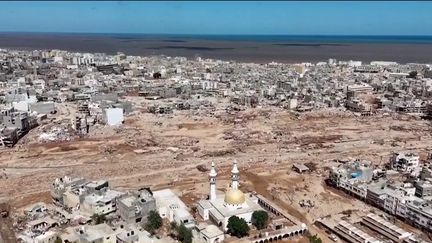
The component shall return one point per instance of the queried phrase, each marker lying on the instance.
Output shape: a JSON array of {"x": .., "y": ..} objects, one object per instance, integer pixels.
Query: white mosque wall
[{"x": 204, "y": 213}]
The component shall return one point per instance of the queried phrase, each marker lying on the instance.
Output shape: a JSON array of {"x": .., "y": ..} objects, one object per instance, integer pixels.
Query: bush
[
  {"x": 314, "y": 239},
  {"x": 173, "y": 230},
  {"x": 237, "y": 227},
  {"x": 184, "y": 234},
  {"x": 260, "y": 219},
  {"x": 173, "y": 226},
  {"x": 154, "y": 222}
]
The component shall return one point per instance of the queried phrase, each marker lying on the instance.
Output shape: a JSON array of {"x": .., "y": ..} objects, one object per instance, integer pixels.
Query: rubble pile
[
  {"x": 217, "y": 153},
  {"x": 56, "y": 134},
  {"x": 326, "y": 113},
  {"x": 244, "y": 137}
]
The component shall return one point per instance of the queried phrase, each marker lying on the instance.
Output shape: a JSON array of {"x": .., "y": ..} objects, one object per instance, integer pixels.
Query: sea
[{"x": 241, "y": 48}]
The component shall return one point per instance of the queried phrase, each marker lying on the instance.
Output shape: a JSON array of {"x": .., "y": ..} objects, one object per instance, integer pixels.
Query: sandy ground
[{"x": 164, "y": 151}]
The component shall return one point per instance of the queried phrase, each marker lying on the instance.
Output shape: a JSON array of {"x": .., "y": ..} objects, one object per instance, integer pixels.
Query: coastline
[{"x": 260, "y": 49}]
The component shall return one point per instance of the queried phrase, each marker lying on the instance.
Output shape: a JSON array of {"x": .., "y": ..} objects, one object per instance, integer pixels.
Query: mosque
[{"x": 218, "y": 208}]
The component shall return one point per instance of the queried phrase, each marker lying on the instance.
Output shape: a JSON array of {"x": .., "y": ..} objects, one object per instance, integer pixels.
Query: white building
[
  {"x": 113, "y": 116},
  {"x": 58, "y": 59},
  {"x": 382, "y": 63},
  {"x": 171, "y": 207},
  {"x": 21, "y": 106},
  {"x": 331, "y": 61},
  {"x": 395, "y": 201},
  {"x": 211, "y": 233},
  {"x": 209, "y": 85},
  {"x": 419, "y": 211},
  {"x": 101, "y": 204},
  {"x": 220, "y": 207},
  {"x": 292, "y": 103},
  {"x": 135, "y": 234},
  {"x": 39, "y": 85},
  {"x": 354, "y": 63},
  {"x": 101, "y": 233}
]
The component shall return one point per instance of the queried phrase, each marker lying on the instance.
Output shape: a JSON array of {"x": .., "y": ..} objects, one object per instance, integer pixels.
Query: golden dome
[{"x": 234, "y": 196}]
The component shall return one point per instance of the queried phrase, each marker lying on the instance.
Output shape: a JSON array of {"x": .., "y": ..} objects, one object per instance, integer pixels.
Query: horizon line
[{"x": 189, "y": 34}]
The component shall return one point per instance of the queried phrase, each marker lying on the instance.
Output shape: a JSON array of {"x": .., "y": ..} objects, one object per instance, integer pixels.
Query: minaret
[
  {"x": 235, "y": 177},
  {"x": 212, "y": 178}
]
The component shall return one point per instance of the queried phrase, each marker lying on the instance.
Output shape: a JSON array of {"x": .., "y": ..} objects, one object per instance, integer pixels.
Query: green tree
[
  {"x": 237, "y": 227},
  {"x": 173, "y": 229},
  {"x": 412, "y": 74},
  {"x": 173, "y": 226},
  {"x": 314, "y": 239},
  {"x": 154, "y": 222},
  {"x": 98, "y": 218},
  {"x": 184, "y": 234},
  {"x": 58, "y": 240},
  {"x": 260, "y": 219}
]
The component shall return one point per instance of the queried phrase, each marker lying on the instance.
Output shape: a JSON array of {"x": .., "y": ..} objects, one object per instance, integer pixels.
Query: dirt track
[{"x": 7, "y": 234}]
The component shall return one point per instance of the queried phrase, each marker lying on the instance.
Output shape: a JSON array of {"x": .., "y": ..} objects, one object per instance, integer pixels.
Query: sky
[{"x": 220, "y": 18}]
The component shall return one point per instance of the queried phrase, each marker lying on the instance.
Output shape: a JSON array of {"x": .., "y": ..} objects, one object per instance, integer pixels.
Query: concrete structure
[
  {"x": 285, "y": 233},
  {"x": 278, "y": 211},
  {"x": 423, "y": 189},
  {"x": 171, "y": 207},
  {"x": 100, "y": 199},
  {"x": 211, "y": 233},
  {"x": 42, "y": 224},
  {"x": 352, "y": 234},
  {"x": 385, "y": 228},
  {"x": 135, "y": 234},
  {"x": 46, "y": 237},
  {"x": 405, "y": 162},
  {"x": 300, "y": 168},
  {"x": 419, "y": 213},
  {"x": 61, "y": 185},
  {"x": 128, "y": 234},
  {"x": 113, "y": 116},
  {"x": 351, "y": 177},
  {"x": 16, "y": 119},
  {"x": 101, "y": 233},
  {"x": 21, "y": 106},
  {"x": 397, "y": 199},
  {"x": 14, "y": 125},
  {"x": 43, "y": 107},
  {"x": 135, "y": 207}
]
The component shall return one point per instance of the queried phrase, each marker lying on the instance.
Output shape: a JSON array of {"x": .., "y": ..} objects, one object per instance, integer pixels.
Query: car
[{"x": 333, "y": 237}]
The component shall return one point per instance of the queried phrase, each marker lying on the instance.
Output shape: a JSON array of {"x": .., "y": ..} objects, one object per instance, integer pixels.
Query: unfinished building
[{"x": 135, "y": 207}]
